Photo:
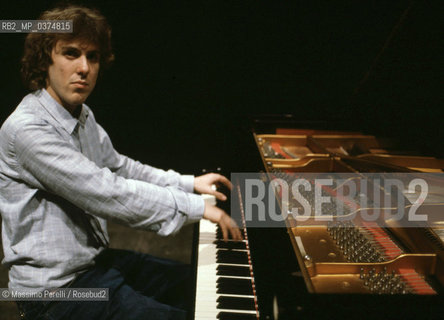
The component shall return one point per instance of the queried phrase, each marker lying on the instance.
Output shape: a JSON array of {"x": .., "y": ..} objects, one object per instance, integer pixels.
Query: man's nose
[{"x": 83, "y": 65}]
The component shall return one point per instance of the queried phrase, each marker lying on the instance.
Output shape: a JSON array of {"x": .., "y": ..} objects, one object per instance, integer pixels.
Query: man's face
[{"x": 73, "y": 73}]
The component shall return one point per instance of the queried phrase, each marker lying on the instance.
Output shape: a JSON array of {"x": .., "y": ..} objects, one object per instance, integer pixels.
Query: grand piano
[{"x": 325, "y": 270}]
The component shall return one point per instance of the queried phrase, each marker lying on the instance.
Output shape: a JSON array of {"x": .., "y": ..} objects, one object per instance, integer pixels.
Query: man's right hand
[{"x": 227, "y": 225}]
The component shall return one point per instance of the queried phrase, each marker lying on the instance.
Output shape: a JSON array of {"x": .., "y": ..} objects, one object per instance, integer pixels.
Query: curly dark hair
[{"x": 89, "y": 25}]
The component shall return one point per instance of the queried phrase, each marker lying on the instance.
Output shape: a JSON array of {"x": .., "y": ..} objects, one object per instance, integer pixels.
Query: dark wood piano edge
[{"x": 194, "y": 258}]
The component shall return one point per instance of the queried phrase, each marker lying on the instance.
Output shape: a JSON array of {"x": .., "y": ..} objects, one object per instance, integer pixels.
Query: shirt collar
[{"x": 59, "y": 113}]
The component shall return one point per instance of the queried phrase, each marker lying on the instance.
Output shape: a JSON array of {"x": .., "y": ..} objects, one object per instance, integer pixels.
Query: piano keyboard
[{"x": 225, "y": 284}]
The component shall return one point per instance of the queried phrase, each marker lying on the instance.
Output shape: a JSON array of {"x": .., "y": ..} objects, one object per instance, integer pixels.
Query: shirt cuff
[
  {"x": 186, "y": 183},
  {"x": 197, "y": 205}
]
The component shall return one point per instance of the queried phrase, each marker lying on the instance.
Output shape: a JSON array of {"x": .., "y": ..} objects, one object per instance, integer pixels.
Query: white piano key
[{"x": 206, "y": 290}]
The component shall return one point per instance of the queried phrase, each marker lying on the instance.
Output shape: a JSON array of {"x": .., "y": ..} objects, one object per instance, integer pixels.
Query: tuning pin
[{"x": 361, "y": 274}]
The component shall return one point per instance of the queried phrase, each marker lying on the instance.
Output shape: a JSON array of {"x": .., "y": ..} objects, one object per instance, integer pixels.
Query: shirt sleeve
[
  {"x": 46, "y": 161},
  {"x": 131, "y": 169}
]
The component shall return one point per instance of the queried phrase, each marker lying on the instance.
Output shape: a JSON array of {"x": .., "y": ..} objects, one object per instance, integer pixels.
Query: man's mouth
[{"x": 80, "y": 84}]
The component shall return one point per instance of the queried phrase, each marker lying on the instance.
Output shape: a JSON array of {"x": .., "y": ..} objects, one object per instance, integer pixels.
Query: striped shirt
[{"x": 61, "y": 179}]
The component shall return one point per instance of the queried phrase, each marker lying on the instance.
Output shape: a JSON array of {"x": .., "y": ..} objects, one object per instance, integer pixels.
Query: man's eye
[
  {"x": 93, "y": 57},
  {"x": 71, "y": 53}
]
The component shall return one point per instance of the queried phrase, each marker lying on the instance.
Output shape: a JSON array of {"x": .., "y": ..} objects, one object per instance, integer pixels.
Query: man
[{"x": 60, "y": 179}]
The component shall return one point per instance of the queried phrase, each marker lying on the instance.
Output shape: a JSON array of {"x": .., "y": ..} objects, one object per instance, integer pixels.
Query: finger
[
  {"x": 223, "y": 180},
  {"x": 219, "y": 195},
  {"x": 224, "y": 230},
  {"x": 234, "y": 230},
  {"x": 238, "y": 234}
]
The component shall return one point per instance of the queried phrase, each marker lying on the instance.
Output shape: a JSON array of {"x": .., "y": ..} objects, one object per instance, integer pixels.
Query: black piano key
[
  {"x": 235, "y": 303},
  {"x": 220, "y": 244},
  {"x": 235, "y": 316},
  {"x": 229, "y": 256},
  {"x": 238, "y": 271},
  {"x": 234, "y": 286}
]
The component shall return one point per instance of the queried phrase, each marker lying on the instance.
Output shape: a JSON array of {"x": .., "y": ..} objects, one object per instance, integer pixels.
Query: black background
[{"x": 188, "y": 74}]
